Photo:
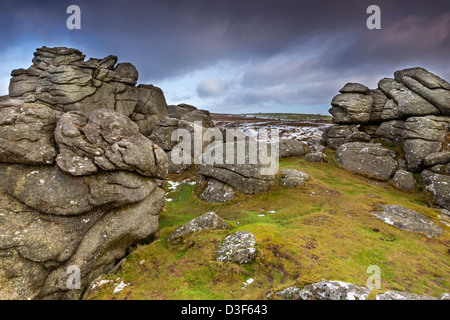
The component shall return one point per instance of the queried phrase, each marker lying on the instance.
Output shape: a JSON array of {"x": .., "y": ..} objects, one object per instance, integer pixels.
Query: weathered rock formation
[
  {"x": 79, "y": 175},
  {"x": 410, "y": 111}
]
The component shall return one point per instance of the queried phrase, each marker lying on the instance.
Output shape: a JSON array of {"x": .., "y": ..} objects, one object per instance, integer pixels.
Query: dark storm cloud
[{"x": 298, "y": 50}]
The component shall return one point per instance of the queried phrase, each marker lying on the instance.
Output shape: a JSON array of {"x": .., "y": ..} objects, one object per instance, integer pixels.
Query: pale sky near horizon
[{"x": 238, "y": 56}]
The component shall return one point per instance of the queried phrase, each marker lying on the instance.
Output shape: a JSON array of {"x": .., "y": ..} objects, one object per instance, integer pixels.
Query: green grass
[{"x": 309, "y": 238}]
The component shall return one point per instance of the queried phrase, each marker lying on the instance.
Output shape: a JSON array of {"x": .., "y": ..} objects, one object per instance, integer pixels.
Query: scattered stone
[
  {"x": 404, "y": 180},
  {"x": 217, "y": 192},
  {"x": 316, "y": 157},
  {"x": 293, "y": 178},
  {"x": 207, "y": 221},
  {"x": 240, "y": 247}
]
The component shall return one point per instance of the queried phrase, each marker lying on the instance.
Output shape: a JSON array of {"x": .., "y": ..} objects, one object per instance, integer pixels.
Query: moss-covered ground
[{"x": 322, "y": 231}]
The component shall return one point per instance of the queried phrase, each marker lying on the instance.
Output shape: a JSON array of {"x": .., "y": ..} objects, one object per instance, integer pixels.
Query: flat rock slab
[
  {"x": 240, "y": 247},
  {"x": 207, "y": 221},
  {"x": 408, "y": 220}
]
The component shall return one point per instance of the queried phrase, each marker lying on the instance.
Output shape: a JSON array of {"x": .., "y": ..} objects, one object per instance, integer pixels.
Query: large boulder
[
  {"x": 409, "y": 103},
  {"x": 428, "y": 85},
  {"x": 404, "y": 180},
  {"x": 292, "y": 148},
  {"x": 79, "y": 180},
  {"x": 367, "y": 158},
  {"x": 293, "y": 178},
  {"x": 335, "y": 136},
  {"x": 351, "y": 108}
]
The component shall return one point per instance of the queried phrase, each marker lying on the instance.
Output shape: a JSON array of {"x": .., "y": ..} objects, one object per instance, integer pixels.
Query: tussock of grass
[{"x": 329, "y": 235}]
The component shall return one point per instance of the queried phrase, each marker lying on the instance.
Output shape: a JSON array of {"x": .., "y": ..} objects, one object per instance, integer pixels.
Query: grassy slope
[{"x": 327, "y": 236}]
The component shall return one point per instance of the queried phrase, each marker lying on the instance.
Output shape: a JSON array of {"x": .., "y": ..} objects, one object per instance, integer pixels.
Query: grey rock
[
  {"x": 150, "y": 108},
  {"x": 199, "y": 115},
  {"x": 358, "y": 137},
  {"x": 26, "y": 134},
  {"x": 355, "y": 88},
  {"x": 289, "y": 293},
  {"x": 409, "y": 103},
  {"x": 335, "y": 136},
  {"x": 293, "y": 178},
  {"x": 391, "y": 111},
  {"x": 207, "y": 221},
  {"x": 404, "y": 180},
  {"x": 316, "y": 157},
  {"x": 400, "y": 295},
  {"x": 431, "y": 128},
  {"x": 442, "y": 157},
  {"x": 408, "y": 220},
  {"x": 180, "y": 110},
  {"x": 291, "y": 148},
  {"x": 107, "y": 140},
  {"x": 127, "y": 72},
  {"x": 334, "y": 290},
  {"x": 351, "y": 108},
  {"x": 370, "y": 129},
  {"x": 162, "y": 133},
  {"x": 416, "y": 151},
  {"x": 49, "y": 190},
  {"x": 427, "y": 85},
  {"x": 367, "y": 158},
  {"x": 217, "y": 192},
  {"x": 177, "y": 166},
  {"x": 244, "y": 172},
  {"x": 439, "y": 186},
  {"x": 240, "y": 247},
  {"x": 391, "y": 131},
  {"x": 379, "y": 101}
]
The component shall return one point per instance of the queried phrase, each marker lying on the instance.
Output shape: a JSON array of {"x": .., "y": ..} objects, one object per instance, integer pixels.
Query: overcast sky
[{"x": 237, "y": 56}]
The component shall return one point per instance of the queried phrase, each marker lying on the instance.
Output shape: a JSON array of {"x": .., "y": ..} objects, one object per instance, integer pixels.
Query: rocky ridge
[{"x": 411, "y": 112}]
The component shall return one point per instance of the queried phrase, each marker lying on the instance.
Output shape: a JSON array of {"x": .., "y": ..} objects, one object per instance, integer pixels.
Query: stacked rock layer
[{"x": 410, "y": 111}]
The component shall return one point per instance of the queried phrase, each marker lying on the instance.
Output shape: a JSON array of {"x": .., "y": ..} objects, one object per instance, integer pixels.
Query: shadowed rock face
[{"x": 78, "y": 174}]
